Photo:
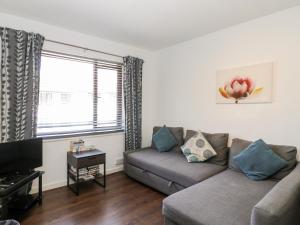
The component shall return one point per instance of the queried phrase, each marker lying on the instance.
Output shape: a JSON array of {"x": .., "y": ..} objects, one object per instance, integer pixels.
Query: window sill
[{"x": 79, "y": 134}]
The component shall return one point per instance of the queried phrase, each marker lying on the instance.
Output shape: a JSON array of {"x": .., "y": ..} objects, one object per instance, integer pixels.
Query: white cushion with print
[{"x": 198, "y": 149}]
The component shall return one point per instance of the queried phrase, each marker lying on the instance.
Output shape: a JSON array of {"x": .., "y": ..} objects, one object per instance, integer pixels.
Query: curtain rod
[
  {"x": 50, "y": 52},
  {"x": 87, "y": 49}
]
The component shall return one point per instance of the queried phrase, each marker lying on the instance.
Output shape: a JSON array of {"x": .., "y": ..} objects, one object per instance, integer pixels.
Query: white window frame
[{"x": 97, "y": 64}]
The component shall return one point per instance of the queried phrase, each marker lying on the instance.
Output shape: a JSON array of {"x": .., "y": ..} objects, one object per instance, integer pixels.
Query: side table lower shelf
[
  {"x": 99, "y": 179},
  {"x": 90, "y": 162}
]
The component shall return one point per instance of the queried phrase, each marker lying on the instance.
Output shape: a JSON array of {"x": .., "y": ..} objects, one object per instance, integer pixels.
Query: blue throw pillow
[
  {"x": 258, "y": 161},
  {"x": 164, "y": 140}
]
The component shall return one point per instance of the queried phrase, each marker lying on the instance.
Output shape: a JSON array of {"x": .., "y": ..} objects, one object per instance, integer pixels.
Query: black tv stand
[{"x": 12, "y": 204}]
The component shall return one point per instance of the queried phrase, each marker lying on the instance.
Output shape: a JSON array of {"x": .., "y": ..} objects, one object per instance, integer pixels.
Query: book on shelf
[{"x": 88, "y": 173}]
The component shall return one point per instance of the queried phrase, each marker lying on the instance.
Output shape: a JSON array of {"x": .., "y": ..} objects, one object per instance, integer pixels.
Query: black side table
[{"x": 85, "y": 159}]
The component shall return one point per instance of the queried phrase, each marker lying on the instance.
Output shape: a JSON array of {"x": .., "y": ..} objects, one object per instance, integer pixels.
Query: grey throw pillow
[
  {"x": 286, "y": 152},
  {"x": 218, "y": 141},
  {"x": 178, "y": 134}
]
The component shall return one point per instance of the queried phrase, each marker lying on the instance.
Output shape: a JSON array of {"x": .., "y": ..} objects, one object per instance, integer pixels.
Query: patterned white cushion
[{"x": 198, "y": 149}]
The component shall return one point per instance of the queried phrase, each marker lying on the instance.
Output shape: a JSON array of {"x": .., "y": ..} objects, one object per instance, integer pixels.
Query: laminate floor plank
[{"x": 123, "y": 202}]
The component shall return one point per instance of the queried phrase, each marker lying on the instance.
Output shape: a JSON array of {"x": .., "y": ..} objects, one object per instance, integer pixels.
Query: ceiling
[{"x": 149, "y": 24}]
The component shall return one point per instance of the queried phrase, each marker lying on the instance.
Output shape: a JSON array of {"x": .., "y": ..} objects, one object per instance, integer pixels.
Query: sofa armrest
[
  {"x": 281, "y": 206},
  {"x": 126, "y": 153},
  {"x": 135, "y": 150}
]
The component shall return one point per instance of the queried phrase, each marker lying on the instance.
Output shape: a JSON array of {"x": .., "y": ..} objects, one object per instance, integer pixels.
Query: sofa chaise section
[
  {"x": 226, "y": 198},
  {"x": 167, "y": 172},
  {"x": 231, "y": 198},
  {"x": 281, "y": 206}
]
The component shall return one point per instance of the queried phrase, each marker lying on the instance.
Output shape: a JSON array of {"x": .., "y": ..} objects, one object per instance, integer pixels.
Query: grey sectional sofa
[
  {"x": 212, "y": 194},
  {"x": 167, "y": 172},
  {"x": 170, "y": 172}
]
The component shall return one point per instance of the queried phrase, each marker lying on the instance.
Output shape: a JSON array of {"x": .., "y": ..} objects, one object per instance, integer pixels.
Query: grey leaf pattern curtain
[
  {"x": 19, "y": 83},
  {"x": 132, "y": 82}
]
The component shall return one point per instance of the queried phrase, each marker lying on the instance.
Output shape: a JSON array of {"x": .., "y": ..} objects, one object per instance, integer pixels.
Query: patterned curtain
[
  {"x": 19, "y": 83},
  {"x": 132, "y": 82}
]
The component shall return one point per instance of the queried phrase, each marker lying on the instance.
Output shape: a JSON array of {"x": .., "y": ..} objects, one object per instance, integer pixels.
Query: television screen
[{"x": 21, "y": 156}]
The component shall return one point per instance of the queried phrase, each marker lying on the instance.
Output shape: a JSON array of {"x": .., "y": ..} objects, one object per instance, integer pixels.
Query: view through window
[{"x": 79, "y": 95}]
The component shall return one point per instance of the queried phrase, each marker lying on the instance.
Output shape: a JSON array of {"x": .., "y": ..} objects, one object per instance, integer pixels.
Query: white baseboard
[
  {"x": 62, "y": 183},
  {"x": 114, "y": 170}
]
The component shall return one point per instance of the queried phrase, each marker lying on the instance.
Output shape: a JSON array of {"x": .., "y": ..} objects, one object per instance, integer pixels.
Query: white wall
[
  {"x": 179, "y": 84},
  {"x": 113, "y": 144},
  {"x": 187, "y": 76}
]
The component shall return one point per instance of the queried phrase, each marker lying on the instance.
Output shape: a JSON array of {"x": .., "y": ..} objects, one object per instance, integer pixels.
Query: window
[{"x": 79, "y": 95}]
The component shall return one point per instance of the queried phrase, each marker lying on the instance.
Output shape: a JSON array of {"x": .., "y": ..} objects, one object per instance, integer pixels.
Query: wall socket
[{"x": 119, "y": 161}]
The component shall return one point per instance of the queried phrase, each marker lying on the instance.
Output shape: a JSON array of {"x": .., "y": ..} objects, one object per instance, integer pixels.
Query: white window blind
[{"x": 79, "y": 95}]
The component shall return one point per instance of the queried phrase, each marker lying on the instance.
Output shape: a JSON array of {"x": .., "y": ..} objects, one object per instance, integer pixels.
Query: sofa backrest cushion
[
  {"x": 218, "y": 141},
  {"x": 286, "y": 152},
  {"x": 178, "y": 134}
]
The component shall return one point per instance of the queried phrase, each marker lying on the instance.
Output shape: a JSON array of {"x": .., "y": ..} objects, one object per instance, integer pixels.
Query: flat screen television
[{"x": 21, "y": 156}]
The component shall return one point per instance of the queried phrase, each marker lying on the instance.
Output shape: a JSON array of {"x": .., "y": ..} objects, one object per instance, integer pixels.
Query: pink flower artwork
[{"x": 239, "y": 88}]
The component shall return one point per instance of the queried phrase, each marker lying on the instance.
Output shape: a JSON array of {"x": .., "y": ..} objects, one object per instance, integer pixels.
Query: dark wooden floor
[{"x": 124, "y": 202}]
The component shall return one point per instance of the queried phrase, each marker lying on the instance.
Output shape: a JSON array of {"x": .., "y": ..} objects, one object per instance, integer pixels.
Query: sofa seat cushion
[
  {"x": 226, "y": 198},
  {"x": 173, "y": 166}
]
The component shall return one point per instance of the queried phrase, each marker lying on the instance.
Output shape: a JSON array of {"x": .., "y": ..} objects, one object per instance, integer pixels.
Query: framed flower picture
[{"x": 248, "y": 84}]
